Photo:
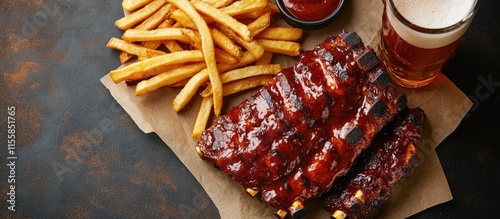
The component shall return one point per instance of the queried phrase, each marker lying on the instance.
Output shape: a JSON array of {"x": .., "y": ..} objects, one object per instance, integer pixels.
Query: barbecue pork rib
[
  {"x": 391, "y": 156},
  {"x": 304, "y": 129}
]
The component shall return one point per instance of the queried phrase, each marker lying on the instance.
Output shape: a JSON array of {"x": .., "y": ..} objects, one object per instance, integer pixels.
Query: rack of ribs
[
  {"x": 391, "y": 156},
  {"x": 304, "y": 129}
]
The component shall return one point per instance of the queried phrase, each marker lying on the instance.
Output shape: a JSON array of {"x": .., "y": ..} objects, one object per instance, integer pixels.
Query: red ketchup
[{"x": 311, "y": 10}]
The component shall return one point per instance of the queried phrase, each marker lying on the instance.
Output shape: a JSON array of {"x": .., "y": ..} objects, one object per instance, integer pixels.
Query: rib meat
[
  {"x": 391, "y": 156},
  {"x": 304, "y": 129}
]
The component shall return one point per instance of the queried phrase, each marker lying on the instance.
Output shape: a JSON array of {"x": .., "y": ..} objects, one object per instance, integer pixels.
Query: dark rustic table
[{"x": 77, "y": 154}]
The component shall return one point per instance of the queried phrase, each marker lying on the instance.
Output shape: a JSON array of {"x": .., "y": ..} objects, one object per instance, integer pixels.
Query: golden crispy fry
[
  {"x": 281, "y": 47},
  {"x": 173, "y": 45},
  {"x": 132, "y": 5},
  {"x": 189, "y": 90},
  {"x": 218, "y": 3},
  {"x": 259, "y": 24},
  {"x": 270, "y": 8},
  {"x": 246, "y": 59},
  {"x": 224, "y": 19},
  {"x": 250, "y": 71},
  {"x": 166, "y": 23},
  {"x": 244, "y": 7},
  {"x": 189, "y": 29},
  {"x": 203, "y": 116},
  {"x": 208, "y": 50},
  {"x": 281, "y": 33},
  {"x": 132, "y": 35},
  {"x": 180, "y": 84},
  {"x": 149, "y": 54},
  {"x": 265, "y": 59},
  {"x": 245, "y": 84},
  {"x": 152, "y": 44},
  {"x": 168, "y": 78},
  {"x": 182, "y": 19},
  {"x": 132, "y": 48},
  {"x": 155, "y": 65},
  {"x": 139, "y": 15},
  {"x": 124, "y": 57},
  {"x": 156, "y": 19},
  {"x": 249, "y": 16},
  {"x": 222, "y": 56},
  {"x": 194, "y": 39},
  {"x": 253, "y": 47},
  {"x": 226, "y": 43},
  {"x": 242, "y": 73},
  {"x": 182, "y": 34}
]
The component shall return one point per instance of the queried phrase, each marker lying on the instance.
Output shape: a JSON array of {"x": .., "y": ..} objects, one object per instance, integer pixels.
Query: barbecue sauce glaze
[{"x": 304, "y": 129}]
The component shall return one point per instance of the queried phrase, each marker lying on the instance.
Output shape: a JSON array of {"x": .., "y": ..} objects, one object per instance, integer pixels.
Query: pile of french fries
[{"x": 225, "y": 46}]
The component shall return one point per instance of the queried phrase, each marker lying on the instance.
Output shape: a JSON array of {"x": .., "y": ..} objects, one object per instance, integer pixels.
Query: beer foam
[
  {"x": 434, "y": 14},
  {"x": 431, "y": 14}
]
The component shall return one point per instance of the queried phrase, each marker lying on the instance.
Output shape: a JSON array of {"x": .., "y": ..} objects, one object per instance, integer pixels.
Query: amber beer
[{"x": 419, "y": 36}]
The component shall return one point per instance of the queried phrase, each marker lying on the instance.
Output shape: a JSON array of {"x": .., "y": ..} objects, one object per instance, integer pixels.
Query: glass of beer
[{"x": 419, "y": 36}]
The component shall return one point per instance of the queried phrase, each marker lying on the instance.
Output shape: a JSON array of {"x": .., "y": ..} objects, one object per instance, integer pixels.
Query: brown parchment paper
[{"x": 444, "y": 104}]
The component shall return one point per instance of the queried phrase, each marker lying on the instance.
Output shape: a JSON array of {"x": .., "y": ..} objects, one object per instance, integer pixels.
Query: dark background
[{"x": 80, "y": 155}]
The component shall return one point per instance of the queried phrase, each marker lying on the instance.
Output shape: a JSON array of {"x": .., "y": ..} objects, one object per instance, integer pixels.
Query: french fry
[
  {"x": 139, "y": 15},
  {"x": 173, "y": 45},
  {"x": 254, "y": 48},
  {"x": 242, "y": 73},
  {"x": 250, "y": 71},
  {"x": 181, "y": 34},
  {"x": 132, "y": 48},
  {"x": 265, "y": 59},
  {"x": 132, "y": 5},
  {"x": 226, "y": 43},
  {"x": 281, "y": 33},
  {"x": 189, "y": 90},
  {"x": 282, "y": 47},
  {"x": 180, "y": 84},
  {"x": 194, "y": 39},
  {"x": 124, "y": 57},
  {"x": 156, "y": 19},
  {"x": 222, "y": 56},
  {"x": 148, "y": 55},
  {"x": 245, "y": 84},
  {"x": 168, "y": 78},
  {"x": 152, "y": 44},
  {"x": 259, "y": 24},
  {"x": 208, "y": 51},
  {"x": 211, "y": 45},
  {"x": 203, "y": 116},
  {"x": 218, "y": 3},
  {"x": 270, "y": 8},
  {"x": 224, "y": 19},
  {"x": 166, "y": 23},
  {"x": 182, "y": 19},
  {"x": 154, "y": 66},
  {"x": 244, "y": 7}
]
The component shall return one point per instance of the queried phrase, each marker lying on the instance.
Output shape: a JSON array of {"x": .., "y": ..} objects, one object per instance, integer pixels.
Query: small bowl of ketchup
[{"x": 309, "y": 14}]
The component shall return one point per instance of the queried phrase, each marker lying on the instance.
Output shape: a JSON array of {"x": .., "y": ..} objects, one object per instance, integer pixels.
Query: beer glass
[{"x": 419, "y": 36}]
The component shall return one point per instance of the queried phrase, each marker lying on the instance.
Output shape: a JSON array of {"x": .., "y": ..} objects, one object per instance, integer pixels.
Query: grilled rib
[
  {"x": 391, "y": 156},
  {"x": 304, "y": 129}
]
